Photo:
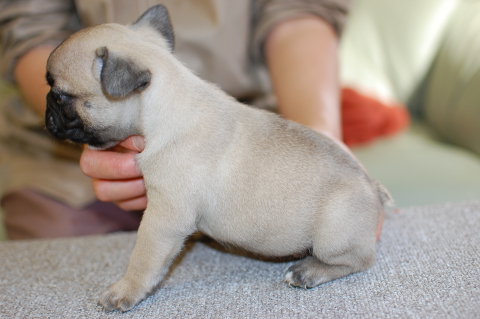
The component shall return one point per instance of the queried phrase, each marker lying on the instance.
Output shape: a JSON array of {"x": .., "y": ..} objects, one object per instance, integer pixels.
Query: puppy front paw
[{"x": 123, "y": 296}]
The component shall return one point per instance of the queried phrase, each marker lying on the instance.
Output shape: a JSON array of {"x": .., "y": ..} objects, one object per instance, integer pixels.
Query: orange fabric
[{"x": 364, "y": 118}]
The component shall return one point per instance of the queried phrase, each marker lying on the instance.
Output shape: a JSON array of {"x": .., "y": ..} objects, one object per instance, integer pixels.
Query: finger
[
  {"x": 134, "y": 143},
  {"x": 139, "y": 203},
  {"x": 118, "y": 190},
  {"x": 108, "y": 165},
  {"x": 121, "y": 149}
]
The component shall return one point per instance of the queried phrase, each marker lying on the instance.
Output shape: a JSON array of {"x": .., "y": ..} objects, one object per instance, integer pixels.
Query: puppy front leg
[{"x": 160, "y": 238}]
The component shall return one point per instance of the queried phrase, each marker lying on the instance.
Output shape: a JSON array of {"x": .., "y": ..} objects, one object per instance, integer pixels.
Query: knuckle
[
  {"x": 123, "y": 205},
  {"x": 86, "y": 162},
  {"x": 100, "y": 188},
  {"x": 138, "y": 203}
]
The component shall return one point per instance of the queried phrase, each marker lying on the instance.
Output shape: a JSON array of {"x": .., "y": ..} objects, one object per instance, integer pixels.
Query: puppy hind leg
[{"x": 342, "y": 245}]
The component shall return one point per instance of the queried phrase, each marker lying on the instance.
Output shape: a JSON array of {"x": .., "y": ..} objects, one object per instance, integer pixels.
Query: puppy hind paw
[
  {"x": 121, "y": 296},
  {"x": 310, "y": 272},
  {"x": 293, "y": 281},
  {"x": 299, "y": 279}
]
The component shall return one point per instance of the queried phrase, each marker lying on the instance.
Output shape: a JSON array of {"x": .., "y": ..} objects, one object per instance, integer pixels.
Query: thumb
[{"x": 134, "y": 143}]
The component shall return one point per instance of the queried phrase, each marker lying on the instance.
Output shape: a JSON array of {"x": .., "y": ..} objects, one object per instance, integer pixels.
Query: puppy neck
[{"x": 178, "y": 103}]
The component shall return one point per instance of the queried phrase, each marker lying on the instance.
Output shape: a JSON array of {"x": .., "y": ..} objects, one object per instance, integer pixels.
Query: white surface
[{"x": 388, "y": 45}]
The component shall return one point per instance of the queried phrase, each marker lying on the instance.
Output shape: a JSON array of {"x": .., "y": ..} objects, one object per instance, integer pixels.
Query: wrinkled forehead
[
  {"x": 70, "y": 68},
  {"x": 81, "y": 45},
  {"x": 71, "y": 65}
]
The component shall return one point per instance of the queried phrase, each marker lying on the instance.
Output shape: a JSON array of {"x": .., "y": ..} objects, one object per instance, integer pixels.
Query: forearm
[
  {"x": 29, "y": 75},
  {"x": 302, "y": 58}
]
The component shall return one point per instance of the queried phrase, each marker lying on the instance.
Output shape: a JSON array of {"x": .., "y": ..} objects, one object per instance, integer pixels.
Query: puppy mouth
[
  {"x": 54, "y": 123},
  {"x": 64, "y": 128},
  {"x": 64, "y": 123}
]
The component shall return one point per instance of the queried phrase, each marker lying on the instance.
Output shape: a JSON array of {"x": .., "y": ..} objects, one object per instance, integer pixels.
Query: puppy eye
[
  {"x": 50, "y": 79},
  {"x": 61, "y": 99}
]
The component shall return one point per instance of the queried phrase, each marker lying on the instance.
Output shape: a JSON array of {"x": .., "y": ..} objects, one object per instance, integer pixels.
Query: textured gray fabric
[{"x": 427, "y": 267}]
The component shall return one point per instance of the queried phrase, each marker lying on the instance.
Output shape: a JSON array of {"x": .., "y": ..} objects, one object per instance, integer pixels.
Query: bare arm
[
  {"x": 302, "y": 58},
  {"x": 29, "y": 74}
]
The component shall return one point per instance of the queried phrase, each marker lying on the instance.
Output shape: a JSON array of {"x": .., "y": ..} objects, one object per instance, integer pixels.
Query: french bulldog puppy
[{"x": 240, "y": 175}]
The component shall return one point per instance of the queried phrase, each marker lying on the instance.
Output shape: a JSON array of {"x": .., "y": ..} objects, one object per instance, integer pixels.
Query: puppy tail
[{"x": 384, "y": 194}]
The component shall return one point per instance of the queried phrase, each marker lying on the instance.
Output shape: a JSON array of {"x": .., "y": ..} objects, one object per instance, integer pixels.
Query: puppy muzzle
[{"x": 63, "y": 122}]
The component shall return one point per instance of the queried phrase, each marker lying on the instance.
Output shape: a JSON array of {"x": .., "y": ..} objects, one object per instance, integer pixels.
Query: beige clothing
[{"x": 221, "y": 40}]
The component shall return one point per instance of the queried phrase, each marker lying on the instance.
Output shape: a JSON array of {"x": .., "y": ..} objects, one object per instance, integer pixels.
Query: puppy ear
[
  {"x": 119, "y": 75},
  {"x": 157, "y": 18}
]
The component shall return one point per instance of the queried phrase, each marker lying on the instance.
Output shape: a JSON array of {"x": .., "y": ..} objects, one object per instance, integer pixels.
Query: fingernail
[{"x": 139, "y": 143}]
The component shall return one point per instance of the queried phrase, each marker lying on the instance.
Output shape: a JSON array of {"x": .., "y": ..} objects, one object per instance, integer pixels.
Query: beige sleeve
[
  {"x": 25, "y": 24},
  {"x": 267, "y": 13}
]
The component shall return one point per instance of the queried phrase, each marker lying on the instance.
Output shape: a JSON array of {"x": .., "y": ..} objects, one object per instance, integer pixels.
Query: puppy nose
[
  {"x": 65, "y": 104},
  {"x": 63, "y": 107}
]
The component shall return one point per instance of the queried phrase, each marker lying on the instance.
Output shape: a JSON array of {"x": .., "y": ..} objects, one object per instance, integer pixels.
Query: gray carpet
[{"x": 427, "y": 267}]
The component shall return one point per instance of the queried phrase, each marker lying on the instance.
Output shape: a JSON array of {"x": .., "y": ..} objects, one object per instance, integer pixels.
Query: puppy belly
[{"x": 275, "y": 241}]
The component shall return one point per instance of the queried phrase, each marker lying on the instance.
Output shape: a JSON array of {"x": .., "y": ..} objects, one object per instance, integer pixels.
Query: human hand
[{"x": 114, "y": 174}]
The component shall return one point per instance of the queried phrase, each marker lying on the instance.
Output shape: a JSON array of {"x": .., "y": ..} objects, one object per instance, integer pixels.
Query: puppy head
[{"x": 97, "y": 77}]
